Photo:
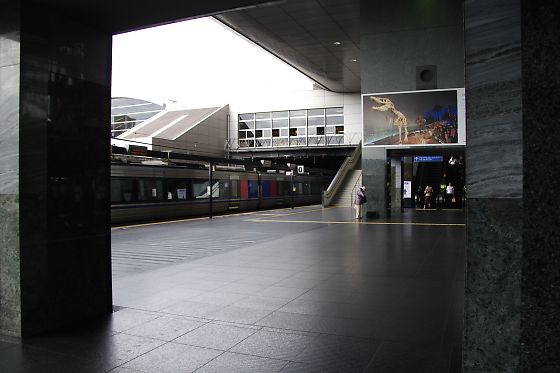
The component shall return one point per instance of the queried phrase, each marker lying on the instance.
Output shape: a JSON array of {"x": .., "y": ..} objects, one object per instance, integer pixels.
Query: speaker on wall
[{"x": 426, "y": 77}]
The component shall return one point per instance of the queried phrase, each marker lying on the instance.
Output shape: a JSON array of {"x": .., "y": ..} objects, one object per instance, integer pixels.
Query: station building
[{"x": 55, "y": 101}]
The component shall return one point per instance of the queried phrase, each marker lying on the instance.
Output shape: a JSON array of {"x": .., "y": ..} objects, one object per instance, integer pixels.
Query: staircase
[{"x": 345, "y": 194}]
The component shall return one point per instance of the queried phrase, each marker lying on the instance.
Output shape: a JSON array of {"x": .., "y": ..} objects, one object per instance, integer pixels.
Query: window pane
[
  {"x": 318, "y": 121},
  {"x": 246, "y": 116},
  {"x": 266, "y": 133},
  {"x": 280, "y": 114},
  {"x": 293, "y": 131},
  {"x": 264, "y": 124},
  {"x": 242, "y": 134},
  {"x": 320, "y": 130},
  {"x": 297, "y": 113},
  {"x": 276, "y": 133},
  {"x": 250, "y": 134},
  {"x": 335, "y": 110},
  {"x": 315, "y": 112},
  {"x": 280, "y": 123},
  {"x": 335, "y": 120},
  {"x": 330, "y": 129},
  {"x": 258, "y": 133},
  {"x": 284, "y": 132},
  {"x": 262, "y": 115},
  {"x": 246, "y": 125},
  {"x": 300, "y": 122},
  {"x": 339, "y": 130}
]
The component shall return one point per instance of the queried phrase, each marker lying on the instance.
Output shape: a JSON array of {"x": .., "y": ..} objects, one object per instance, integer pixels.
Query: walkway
[{"x": 304, "y": 290}]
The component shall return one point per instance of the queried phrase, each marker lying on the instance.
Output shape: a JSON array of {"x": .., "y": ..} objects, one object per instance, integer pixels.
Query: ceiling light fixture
[
  {"x": 337, "y": 43},
  {"x": 354, "y": 60}
]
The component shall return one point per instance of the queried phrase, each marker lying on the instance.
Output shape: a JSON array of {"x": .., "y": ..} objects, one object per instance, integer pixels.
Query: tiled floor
[{"x": 304, "y": 290}]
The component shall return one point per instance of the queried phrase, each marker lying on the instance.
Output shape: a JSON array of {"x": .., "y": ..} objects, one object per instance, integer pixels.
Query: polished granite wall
[
  {"x": 58, "y": 237},
  {"x": 540, "y": 294},
  {"x": 396, "y": 37},
  {"x": 10, "y": 307},
  {"x": 494, "y": 159}
]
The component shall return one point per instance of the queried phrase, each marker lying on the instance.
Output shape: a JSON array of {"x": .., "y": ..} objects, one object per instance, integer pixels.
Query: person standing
[
  {"x": 428, "y": 196},
  {"x": 449, "y": 194},
  {"x": 359, "y": 201}
]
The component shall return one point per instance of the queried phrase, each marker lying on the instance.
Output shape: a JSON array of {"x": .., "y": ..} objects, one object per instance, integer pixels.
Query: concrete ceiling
[
  {"x": 320, "y": 38},
  {"x": 300, "y": 32}
]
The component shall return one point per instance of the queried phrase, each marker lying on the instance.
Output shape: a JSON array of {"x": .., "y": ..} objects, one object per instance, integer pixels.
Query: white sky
[{"x": 197, "y": 63}]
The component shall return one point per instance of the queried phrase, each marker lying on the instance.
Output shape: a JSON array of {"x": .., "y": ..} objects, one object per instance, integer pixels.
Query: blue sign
[{"x": 428, "y": 158}]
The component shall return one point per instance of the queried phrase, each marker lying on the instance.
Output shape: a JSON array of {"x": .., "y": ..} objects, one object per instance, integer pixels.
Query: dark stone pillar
[
  {"x": 494, "y": 185},
  {"x": 10, "y": 291},
  {"x": 540, "y": 301},
  {"x": 56, "y": 267}
]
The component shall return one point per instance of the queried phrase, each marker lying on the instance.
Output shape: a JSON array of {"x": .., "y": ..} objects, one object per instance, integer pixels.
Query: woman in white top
[{"x": 449, "y": 193}]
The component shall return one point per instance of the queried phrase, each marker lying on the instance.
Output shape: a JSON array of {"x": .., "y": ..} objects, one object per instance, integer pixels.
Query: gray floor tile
[
  {"x": 286, "y": 320},
  {"x": 340, "y": 353},
  {"x": 409, "y": 358},
  {"x": 118, "y": 350},
  {"x": 194, "y": 309},
  {"x": 281, "y": 292},
  {"x": 238, "y": 315},
  {"x": 261, "y": 303},
  {"x": 173, "y": 358},
  {"x": 274, "y": 345},
  {"x": 216, "y": 336},
  {"x": 219, "y": 298},
  {"x": 238, "y": 363},
  {"x": 165, "y": 328},
  {"x": 128, "y": 318}
]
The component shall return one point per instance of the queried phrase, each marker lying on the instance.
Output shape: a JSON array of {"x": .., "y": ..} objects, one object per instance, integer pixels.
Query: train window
[
  {"x": 253, "y": 189},
  {"x": 234, "y": 190},
  {"x": 150, "y": 190},
  {"x": 177, "y": 189},
  {"x": 130, "y": 190},
  {"x": 116, "y": 190},
  {"x": 200, "y": 189}
]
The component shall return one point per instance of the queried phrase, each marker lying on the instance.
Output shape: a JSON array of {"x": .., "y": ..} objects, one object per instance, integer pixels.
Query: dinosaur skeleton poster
[{"x": 435, "y": 117}]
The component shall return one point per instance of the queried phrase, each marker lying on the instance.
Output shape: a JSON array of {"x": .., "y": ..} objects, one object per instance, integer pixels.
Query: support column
[
  {"x": 494, "y": 161},
  {"x": 54, "y": 184},
  {"x": 540, "y": 289},
  {"x": 10, "y": 289}
]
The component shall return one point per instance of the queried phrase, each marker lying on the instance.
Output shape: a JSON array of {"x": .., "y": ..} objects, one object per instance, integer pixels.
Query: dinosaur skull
[{"x": 385, "y": 103}]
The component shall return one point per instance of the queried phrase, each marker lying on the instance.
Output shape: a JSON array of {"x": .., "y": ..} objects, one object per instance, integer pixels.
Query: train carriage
[{"x": 148, "y": 192}]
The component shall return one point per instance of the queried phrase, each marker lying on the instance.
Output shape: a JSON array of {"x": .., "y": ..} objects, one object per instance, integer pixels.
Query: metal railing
[
  {"x": 354, "y": 189},
  {"x": 352, "y": 138},
  {"x": 347, "y": 165}
]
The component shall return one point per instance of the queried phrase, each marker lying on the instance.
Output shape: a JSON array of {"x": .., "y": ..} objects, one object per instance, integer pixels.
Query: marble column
[
  {"x": 540, "y": 270},
  {"x": 494, "y": 159},
  {"x": 54, "y": 174},
  {"x": 10, "y": 290}
]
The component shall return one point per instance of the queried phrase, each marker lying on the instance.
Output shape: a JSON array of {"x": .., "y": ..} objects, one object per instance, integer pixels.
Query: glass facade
[
  {"x": 129, "y": 112},
  {"x": 306, "y": 127}
]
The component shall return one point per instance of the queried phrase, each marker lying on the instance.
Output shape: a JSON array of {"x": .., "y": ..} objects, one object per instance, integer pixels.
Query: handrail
[
  {"x": 347, "y": 165},
  {"x": 354, "y": 189}
]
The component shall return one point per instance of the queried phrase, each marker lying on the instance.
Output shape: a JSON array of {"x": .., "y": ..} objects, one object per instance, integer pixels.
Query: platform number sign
[{"x": 300, "y": 169}]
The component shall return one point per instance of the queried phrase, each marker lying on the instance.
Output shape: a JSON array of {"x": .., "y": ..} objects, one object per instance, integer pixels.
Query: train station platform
[{"x": 302, "y": 290}]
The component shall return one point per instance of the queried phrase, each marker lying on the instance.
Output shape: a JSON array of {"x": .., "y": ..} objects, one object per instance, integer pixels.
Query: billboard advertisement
[{"x": 414, "y": 118}]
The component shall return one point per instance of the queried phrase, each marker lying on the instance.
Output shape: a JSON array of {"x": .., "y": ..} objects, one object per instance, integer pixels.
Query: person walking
[
  {"x": 428, "y": 196},
  {"x": 359, "y": 201},
  {"x": 449, "y": 194}
]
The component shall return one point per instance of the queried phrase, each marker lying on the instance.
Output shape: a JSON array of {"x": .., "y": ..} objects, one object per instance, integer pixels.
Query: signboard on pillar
[
  {"x": 414, "y": 118},
  {"x": 407, "y": 189},
  {"x": 300, "y": 169}
]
